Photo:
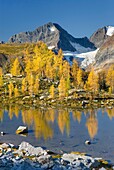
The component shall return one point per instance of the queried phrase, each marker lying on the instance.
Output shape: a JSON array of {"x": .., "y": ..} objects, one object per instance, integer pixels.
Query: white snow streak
[
  {"x": 110, "y": 30},
  {"x": 51, "y": 47}
]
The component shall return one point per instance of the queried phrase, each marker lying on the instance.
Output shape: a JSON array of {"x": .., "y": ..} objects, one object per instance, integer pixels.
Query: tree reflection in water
[
  {"x": 110, "y": 112},
  {"x": 92, "y": 123},
  {"x": 42, "y": 120}
]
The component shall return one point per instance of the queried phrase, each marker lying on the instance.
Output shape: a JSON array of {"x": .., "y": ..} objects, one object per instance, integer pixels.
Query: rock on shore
[{"x": 28, "y": 157}]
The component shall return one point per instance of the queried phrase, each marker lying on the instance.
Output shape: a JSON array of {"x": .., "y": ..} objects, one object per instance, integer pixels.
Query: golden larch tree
[
  {"x": 16, "y": 92},
  {"x": 52, "y": 91},
  {"x": 31, "y": 84},
  {"x": 36, "y": 85},
  {"x": 11, "y": 89},
  {"x": 66, "y": 69},
  {"x": 16, "y": 68},
  {"x": 62, "y": 88},
  {"x": 49, "y": 71},
  {"x": 1, "y": 81},
  {"x": 28, "y": 68},
  {"x": 68, "y": 84},
  {"x": 1, "y": 72},
  {"x": 74, "y": 70},
  {"x": 110, "y": 79},
  {"x": 24, "y": 86},
  {"x": 60, "y": 63},
  {"x": 37, "y": 65},
  {"x": 79, "y": 78},
  {"x": 92, "y": 82}
]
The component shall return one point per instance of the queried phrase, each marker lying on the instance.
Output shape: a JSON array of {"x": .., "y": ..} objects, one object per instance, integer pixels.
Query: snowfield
[
  {"x": 110, "y": 30},
  {"x": 85, "y": 58},
  {"x": 89, "y": 58}
]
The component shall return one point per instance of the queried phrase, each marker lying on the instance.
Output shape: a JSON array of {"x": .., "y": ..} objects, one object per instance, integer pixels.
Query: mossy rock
[
  {"x": 105, "y": 164},
  {"x": 78, "y": 153},
  {"x": 56, "y": 156}
]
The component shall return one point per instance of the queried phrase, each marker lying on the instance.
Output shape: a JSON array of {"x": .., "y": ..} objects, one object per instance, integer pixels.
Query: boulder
[
  {"x": 4, "y": 145},
  {"x": 22, "y": 129},
  {"x": 30, "y": 150}
]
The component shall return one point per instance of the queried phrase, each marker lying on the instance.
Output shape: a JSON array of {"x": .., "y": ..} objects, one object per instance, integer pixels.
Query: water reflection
[
  {"x": 92, "y": 123},
  {"x": 39, "y": 120},
  {"x": 77, "y": 115},
  {"x": 64, "y": 121},
  {"x": 42, "y": 120},
  {"x": 110, "y": 113}
]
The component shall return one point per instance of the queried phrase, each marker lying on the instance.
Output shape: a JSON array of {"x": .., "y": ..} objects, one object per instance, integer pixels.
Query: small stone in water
[
  {"x": 87, "y": 142},
  {"x": 22, "y": 130},
  {"x": 2, "y": 133}
]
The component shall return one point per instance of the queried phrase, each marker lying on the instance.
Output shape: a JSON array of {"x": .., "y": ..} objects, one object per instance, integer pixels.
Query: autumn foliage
[{"x": 40, "y": 63}]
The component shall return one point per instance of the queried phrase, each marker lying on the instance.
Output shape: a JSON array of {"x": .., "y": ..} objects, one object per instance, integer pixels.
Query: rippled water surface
[{"x": 61, "y": 129}]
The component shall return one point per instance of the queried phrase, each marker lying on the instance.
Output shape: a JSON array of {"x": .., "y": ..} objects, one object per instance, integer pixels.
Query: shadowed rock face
[
  {"x": 99, "y": 37},
  {"x": 105, "y": 56},
  {"x": 3, "y": 60},
  {"x": 54, "y": 36}
]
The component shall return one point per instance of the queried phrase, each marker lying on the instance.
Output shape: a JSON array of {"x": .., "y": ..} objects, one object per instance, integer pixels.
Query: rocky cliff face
[
  {"x": 55, "y": 37},
  {"x": 3, "y": 60},
  {"x": 99, "y": 37},
  {"x": 105, "y": 55},
  {"x": 103, "y": 39}
]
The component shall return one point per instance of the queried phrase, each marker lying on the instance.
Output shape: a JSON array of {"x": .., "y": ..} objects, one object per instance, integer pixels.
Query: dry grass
[{"x": 16, "y": 49}]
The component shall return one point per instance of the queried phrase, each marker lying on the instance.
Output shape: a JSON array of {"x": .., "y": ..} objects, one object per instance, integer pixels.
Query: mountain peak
[
  {"x": 54, "y": 36},
  {"x": 100, "y": 36}
]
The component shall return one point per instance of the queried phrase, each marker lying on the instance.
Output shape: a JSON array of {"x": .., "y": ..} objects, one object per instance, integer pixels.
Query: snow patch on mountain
[
  {"x": 110, "y": 30},
  {"x": 51, "y": 47},
  {"x": 52, "y": 29},
  {"x": 79, "y": 48},
  {"x": 69, "y": 56},
  {"x": 89, "y": 58},
  {"x": 84, "y": 59},
  {"x": 69, "y": 53}
]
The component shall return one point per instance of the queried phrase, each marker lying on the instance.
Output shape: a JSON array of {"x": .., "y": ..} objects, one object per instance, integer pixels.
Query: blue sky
[{"x": 79, "y": 17}]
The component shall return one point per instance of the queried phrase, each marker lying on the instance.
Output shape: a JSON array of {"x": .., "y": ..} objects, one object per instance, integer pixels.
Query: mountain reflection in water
[{"x": 43, "y": 120}]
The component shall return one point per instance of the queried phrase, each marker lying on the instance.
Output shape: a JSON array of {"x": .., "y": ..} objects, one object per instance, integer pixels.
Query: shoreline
[
  {"x": 27, "y": 157},
  {"x": 72, "y": 102}
]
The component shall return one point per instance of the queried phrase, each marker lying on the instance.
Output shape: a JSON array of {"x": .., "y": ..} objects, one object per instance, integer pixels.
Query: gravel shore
[{"x": 27, "y": 157}]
